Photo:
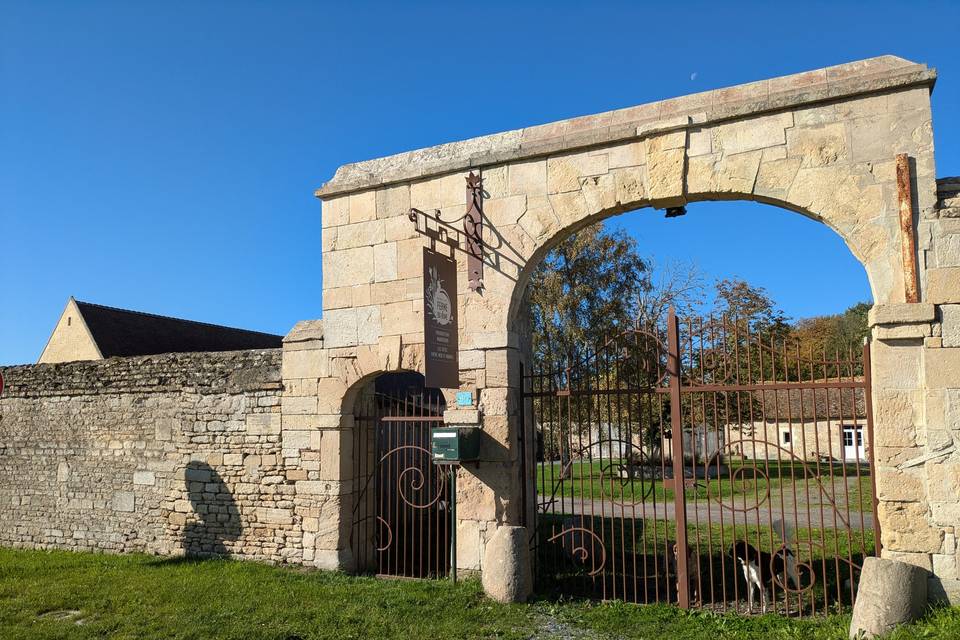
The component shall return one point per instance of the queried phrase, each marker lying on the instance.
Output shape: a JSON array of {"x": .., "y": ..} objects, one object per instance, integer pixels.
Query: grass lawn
[
  {"x": 72, "y": 595},
  {"x": 600, "y": 480}
]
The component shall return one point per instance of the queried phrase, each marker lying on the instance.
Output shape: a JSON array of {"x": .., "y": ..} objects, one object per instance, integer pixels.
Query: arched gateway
[{"x": 823, "y": 143}]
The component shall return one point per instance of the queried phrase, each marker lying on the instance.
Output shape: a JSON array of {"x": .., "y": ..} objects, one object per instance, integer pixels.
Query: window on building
[{"x": 786, "y": 437}]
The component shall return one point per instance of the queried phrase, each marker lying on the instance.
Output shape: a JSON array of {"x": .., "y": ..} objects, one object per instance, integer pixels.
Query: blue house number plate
[{"x": 464, "y": 399}]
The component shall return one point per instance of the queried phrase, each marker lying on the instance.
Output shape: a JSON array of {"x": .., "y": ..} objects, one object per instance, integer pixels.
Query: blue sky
[{"x": 163, "y": 156}]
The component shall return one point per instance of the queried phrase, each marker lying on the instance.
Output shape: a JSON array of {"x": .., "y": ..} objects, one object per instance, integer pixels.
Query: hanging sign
[{"x": 440, "y": 327}]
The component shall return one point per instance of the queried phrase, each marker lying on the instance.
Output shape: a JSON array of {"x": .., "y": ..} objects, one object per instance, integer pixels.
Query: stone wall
[
  {"x": 160, "y": 454},
  {"x": 916, "y": 364}
]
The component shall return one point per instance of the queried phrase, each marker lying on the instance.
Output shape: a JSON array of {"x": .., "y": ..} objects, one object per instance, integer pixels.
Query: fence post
[{"x": 676, "y": 439}]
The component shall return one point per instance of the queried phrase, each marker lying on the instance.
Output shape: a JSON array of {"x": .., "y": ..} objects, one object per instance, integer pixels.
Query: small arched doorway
[{"x": 400, "y": 521}]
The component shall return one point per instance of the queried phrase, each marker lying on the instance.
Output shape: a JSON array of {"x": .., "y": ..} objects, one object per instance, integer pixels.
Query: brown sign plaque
[{"x": 442, "y": 358}]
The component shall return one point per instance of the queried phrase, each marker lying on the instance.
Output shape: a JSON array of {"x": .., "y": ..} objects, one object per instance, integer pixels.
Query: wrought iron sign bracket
[{"x": 464, "y": 234}]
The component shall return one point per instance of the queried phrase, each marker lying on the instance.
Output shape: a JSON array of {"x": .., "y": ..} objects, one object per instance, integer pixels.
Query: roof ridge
[{"x": 157, "y": 315}]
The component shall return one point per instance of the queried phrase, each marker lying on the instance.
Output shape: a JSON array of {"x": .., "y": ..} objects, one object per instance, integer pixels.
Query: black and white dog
[{"x": 760, "y": 568}]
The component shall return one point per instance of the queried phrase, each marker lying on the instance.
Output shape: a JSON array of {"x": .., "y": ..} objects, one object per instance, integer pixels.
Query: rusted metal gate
[
  {"x": 675, "y": 457},
  {"x": 400, "y": 519}
]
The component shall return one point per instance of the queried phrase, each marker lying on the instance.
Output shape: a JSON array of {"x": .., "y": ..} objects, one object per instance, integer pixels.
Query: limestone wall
[
  {"x": 916, "y": 372},
  {"x": 157, "y": 454}
]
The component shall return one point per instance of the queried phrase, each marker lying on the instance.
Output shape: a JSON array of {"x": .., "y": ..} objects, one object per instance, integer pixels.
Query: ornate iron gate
[
  {"x": 401, "y": 526},
  {"x": 702, "y": 462}
]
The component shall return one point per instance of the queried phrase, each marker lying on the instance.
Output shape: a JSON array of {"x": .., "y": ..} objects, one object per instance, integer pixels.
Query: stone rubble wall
[{"x": 160, "y": 454}]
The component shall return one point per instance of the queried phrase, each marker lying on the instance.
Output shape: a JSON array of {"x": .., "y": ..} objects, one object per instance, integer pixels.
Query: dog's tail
[{"x": 789, "y": 559}]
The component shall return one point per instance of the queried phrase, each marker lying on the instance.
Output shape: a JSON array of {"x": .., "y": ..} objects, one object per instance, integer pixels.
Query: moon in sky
[{"x": 693, "y": 76}]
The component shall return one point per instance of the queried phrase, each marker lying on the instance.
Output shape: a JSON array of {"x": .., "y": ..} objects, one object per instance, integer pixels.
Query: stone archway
[{"x": 821, "y": 143}]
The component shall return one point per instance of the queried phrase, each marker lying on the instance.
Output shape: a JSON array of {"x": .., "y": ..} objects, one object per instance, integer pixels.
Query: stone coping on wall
[
  {"x": 216, "y": 371},
  {"x": 821, "y": 85}
]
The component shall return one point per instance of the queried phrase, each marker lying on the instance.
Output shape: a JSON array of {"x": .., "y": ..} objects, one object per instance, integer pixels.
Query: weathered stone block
[
  {"x": 507, "y": 572},
  {"x": 363, "y": 206},
  {"x": 901, "y": 313},
  {"x": 263, "y": 423},
  {"x": 943, "y": 285},
  {"x": 890, "y": 593},
  {"x": 950, "y": 325},
  {"x": 298, "y": 405},
  {"x": 307, "y": 363},
  {"x": 146, "y": 478},
  {"x": 942, "y": 368},
  {"x": 123, "y": 501},
  {"x": 385, "y": 262},
  {"x": 348, "y": 267}
]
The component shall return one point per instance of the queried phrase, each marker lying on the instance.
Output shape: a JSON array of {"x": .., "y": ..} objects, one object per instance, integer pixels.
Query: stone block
[
  {"x": 274, "y": 516},
  {"x": 393, "y": 201},
  {"x": 943, "y": 285},
  {"x": 165, "y": 428},
  {"x": 459, "y": 417},
  {"x": 470, "y": 544},
  {"x": 335, "y": 212},
  {"x": 321, "y": 488},
  {"x": 665, "y": 174},
  {"x": 472, "y": 359},
  {"x": 901, "y": 313},
  {"x": 775, "y": 177},
  {"x": 340, "y": 328},
  {"x": 360, "y": 234},
  {"x": 818, "y": 146},
  {"x": 306, "y": 363},
  {"x": 901, "y": 332},
  {"x": 369, "y": 327},
  {"x": 233, "y": 459},
  {"x": 145, "y": 478},
  {"x": 752, "y": 134},
  {"x": 348, "y": 267},
  {"x": 528, "y": 178},
  {"x": 123, "y": 501},
  {"x": 906, "y": 485},
  {"x": 363, "y": 206},
  {"x": 389, "y": 352},
  {"x": 507, "y": 571},
  {"x": 905, "y": 527},
  {"x": 295, "y": 439},
  {"x": 896, "y": 417},
  {"x": 298, "y": 405},
  {"x": 897, "y": 365},
  {"x": 943, "y": 478},
  {"x": 259, "y": 424},
  {"x": 333, "y": 559},
  {"x": 942, "y": 368},
  {"x": 950, "y": 325},
  {"x": 385, "y": 262},
  {"x": 889, "y": 594},
  {"x": 196, "y": 475}
]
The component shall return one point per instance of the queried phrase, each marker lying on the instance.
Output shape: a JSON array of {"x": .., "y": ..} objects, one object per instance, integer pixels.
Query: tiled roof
[{"x": 120, "y": 332}]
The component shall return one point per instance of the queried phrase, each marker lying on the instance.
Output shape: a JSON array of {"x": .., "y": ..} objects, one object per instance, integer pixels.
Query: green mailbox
[{"x": 455, "y": 444}]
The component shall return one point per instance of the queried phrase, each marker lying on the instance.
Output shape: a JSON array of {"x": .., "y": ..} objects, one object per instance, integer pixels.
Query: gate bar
[{"x": 676, "y": 433}]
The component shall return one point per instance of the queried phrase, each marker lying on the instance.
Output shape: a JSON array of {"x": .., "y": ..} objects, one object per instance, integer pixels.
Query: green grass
[
  {"x": 599, "y": 480},
  {"x": 145, "y": 597}
]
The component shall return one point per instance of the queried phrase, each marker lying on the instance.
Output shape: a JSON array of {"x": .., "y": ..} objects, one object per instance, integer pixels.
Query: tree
[
  {"x": 739, "y": 300},
  {"x": 834, "y": 337},
  {"x": 585, "y": 290}
]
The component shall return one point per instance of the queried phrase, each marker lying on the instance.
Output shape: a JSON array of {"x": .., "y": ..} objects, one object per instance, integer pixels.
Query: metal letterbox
[{"x": 455, "y": 444}]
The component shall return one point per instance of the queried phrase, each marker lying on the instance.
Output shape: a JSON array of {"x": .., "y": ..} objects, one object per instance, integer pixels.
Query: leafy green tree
[{"x": 585, "y": 290}]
